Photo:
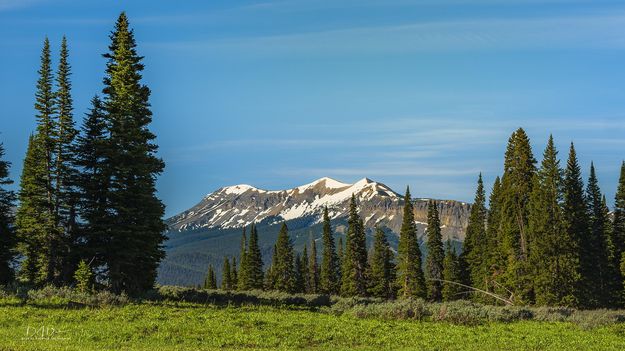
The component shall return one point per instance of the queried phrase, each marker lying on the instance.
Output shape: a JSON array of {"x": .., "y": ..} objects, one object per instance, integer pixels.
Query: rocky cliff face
[{"x": 240, "y": 205}]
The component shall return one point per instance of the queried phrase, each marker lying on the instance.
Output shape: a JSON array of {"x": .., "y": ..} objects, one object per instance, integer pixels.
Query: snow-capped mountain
[{"x": 240, "y": 205}]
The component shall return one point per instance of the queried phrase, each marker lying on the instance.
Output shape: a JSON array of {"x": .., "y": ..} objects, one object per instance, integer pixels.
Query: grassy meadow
[{"x": 56, "y": 323}]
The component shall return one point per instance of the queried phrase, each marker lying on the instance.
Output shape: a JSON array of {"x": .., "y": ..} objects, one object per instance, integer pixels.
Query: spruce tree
[
  {"x": 618, "y": 224},
  {"x": 304, "y": 271},
  {"x": 300, "y": 273},
  {"x": 355, "y": 258},
  {"x": 282, "y": 268},
  {"x": 65, "y": 173},
  {"x": 496, "y": 261},
  {"x": 553, "y": 253},
  {"x": 575, "y": 211},
  {"x": 381, "y": 277},
  {"x": 243, "y": 270},
  {"x": 340, "y": 253},
  {"x": 436, "y": 254},
  {"x": 210, "y": 281},
  {"x": 451, "y": 274},
  {"x": 33, "y": 220},
  {"x": 329, "y": 282},
  {"x": 313, "y": 269},
  {"x": 599, "y": 285},
  {"x": 226, "y": 275},
  {"x": 92, "y": 182},
  {"x": 7, "y": 226},
  {"x": 516, "y": 187},
  {"x": 234, "y": 274},
  {"x": 474, "y": 259},
  {"x": 410, "y": 278},
  {"x": 254, "y": 261},
  {"x": 623, "y": 269},
  {"x": 135, "y": 246}
]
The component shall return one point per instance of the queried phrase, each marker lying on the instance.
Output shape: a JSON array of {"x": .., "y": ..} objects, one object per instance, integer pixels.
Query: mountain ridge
[{"x": 211, "y": 229}]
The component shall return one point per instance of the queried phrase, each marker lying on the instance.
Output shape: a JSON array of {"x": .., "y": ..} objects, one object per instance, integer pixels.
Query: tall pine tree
[
  {"x": 65, "y": 173},
  {"x": 553, "y": 253},
  {"x": 210, "y": 281},
  {"x": 254, "y": 261},
  {"x": 410, "y": 278},
  {"x": 618, "y": 224},
  {"x": 436, "y": 254},
  {"x": 575, "y": 211},
  {"x": 7, "y": 228},
  {"x": 329, "y": 277},
  {"x": 226, "y": 275},
  {"x": 36, "y": 222},
  {"x": 381, "y": 267},
  {"x": 516, "y": 187},
  {"x": 282, "y": 267},
  {"x": 92, "y": 182},
  {"x": 135, "y": 246},
  {"x": 599, "y": 285},
  {"x": 299, "y": 275},
  {"x": 313, "y": 269},
  {"x": 242, "y": 274},
  {"x": 474, "y": 259},
  {"x": 355, "y": 258},
  {"x": 451, "y": 274}
]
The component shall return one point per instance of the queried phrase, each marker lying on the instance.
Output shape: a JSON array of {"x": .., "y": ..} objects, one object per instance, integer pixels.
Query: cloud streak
[{"x": 547, "y": 33}]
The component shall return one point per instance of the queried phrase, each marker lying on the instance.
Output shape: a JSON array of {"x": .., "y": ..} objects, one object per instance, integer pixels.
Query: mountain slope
[{"x": 211, "y": 229}]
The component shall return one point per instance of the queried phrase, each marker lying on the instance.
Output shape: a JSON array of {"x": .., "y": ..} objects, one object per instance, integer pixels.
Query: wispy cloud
[
  {"x": 601, "y": 32},
  {"x": 8, "y": 5}
]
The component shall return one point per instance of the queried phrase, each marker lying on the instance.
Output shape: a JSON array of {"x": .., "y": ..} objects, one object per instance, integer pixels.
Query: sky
[{"x": 279, "y": 93}]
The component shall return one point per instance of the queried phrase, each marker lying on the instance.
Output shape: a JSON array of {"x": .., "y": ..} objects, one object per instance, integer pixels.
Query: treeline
[
  {"x": 349, "y": 269},
  {"x": 545, "y": 239},
  {"x": 87, "y": 208}
]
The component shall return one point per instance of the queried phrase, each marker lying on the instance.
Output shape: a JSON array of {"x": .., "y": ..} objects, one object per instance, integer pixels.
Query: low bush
[{"x": 254, "y": 297}]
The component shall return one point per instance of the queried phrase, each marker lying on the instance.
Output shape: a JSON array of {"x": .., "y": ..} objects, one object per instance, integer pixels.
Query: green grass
[{"x": 187, "y": 326}]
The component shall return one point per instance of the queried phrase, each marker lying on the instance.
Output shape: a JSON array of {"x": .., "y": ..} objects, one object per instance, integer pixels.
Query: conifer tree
[
  {"x": 313, "y": 268},
  {"x": 575, "y": 211},
  {"x": 355, "y": 258},
  {"x": 243, "y": 271},
  {"x": 475, "y": 257},
  {"x": 496, "y": 263},
  {"x": 623, "y": 268},
  {"x": 234, "y": 274},
  {"x": 618, "y": 224},
  {"x": 226, "y": 279},
  {"x": 7, "y": 227},
  {"x": 135, "y": 246},
  {"x": 299, "y": 278},
  {"x": 329, "y": 275},
  {"x": 92, "y": 182},
  {"x": 65, "y": 173},
  {"x": 36, "y": 227},
  {"x": 282, "y": 268},
  {"x": 381, "y": 275},
  {"x": 254, "y": 261},
  {"x": 340, "y": 254},
  {"x": 553, "y": 253},
  {"x": 436, "y": 254},
  {"x": 451, "y": 274},
  {"x": 410, "y": 278},
  {"x": 516, "y": 187},
  {"x": 33, "y": 219},
  {"x": 304, "y": 271},
  {"x": 599, "y": 285},
  {"x": 210, "y": 282}
]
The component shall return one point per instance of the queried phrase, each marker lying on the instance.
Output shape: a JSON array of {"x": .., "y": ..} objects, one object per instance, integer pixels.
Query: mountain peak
[{"x": 326, "y": 181}]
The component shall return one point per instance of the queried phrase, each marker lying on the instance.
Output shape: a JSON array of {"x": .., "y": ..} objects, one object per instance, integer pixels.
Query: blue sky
[{"x": 279, "y": 93}]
